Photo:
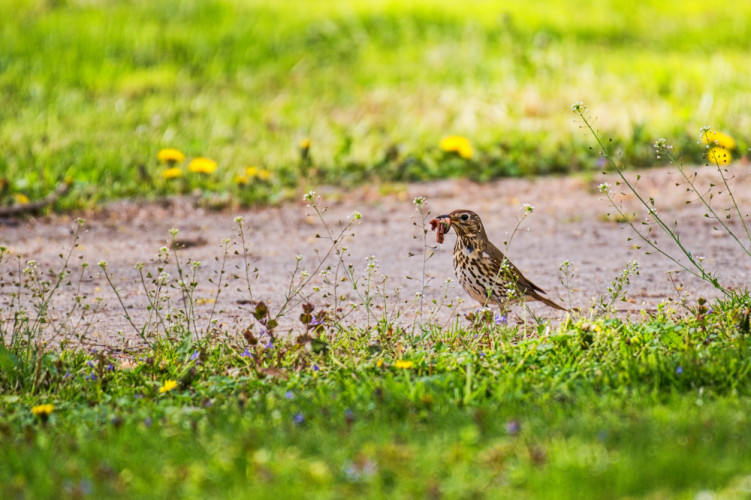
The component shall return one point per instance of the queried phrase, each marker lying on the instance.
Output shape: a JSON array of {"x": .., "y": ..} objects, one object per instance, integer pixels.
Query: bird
[{"x": 483, "y": 270}]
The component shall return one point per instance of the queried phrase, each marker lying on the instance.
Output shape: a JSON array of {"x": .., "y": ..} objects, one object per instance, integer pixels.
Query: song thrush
[{"x": 484, "y": 272}]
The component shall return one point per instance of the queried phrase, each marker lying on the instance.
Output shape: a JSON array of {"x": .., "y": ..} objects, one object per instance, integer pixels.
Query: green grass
[
  {"x": 93, "y": 91},
  {"x": 607, "y": 409},
  {"x": 589, "y": 409}
]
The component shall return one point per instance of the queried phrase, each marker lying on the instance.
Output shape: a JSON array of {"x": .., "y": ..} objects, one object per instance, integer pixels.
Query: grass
[
  {"x": 613, "y": 408},
  {"x": 93, "y": 92},
  {"x": 595, "y": 407}
]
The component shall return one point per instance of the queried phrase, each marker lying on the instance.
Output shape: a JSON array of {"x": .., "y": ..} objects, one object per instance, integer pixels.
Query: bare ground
[{"x": 570, "y": 222}]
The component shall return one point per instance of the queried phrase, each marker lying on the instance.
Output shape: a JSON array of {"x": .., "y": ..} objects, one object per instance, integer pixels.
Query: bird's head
[{"x": 466, "y": 223}]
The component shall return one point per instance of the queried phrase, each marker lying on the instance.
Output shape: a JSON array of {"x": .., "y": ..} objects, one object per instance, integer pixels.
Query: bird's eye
[{"x": 465, "y": 216}]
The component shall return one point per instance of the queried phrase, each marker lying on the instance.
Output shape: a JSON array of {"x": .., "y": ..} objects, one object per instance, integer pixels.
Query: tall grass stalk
[{"x": 694, "y": 266}]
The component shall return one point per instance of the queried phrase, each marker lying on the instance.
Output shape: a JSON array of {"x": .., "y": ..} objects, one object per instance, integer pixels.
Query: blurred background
[{"x": 290, "y": 93}]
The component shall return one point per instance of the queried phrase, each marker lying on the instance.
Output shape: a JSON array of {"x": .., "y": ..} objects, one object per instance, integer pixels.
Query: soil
[{"x": 570, "y": 222}]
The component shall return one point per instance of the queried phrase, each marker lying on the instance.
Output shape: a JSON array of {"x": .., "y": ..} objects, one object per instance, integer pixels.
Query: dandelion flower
[
  {"x": 202, "y": 165},
  {"x": 257, "y": 173},
  {"x": 172, "y": 173},
  {"x": 457, "y": 144},
  {"x": 305, "y": 150},
  {"x": 42, "y": 411},
  {"x": 719, "y": 156},
  {"x": 21, "y": 199},
  {"x": 714, "y": 138},
  {"x": 405, "y": 365},
  {"x": 241, "y": 179},
  {"x": 170, "y": 155},
  {"x": 168, "y": 386}
]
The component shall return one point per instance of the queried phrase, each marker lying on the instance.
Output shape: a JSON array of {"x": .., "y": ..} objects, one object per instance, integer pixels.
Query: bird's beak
[{"x": 445, "y": 217}]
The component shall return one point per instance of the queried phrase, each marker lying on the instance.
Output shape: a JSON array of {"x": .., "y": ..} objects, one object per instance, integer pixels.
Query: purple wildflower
[
  {"x": 289, "y": 395},
  {"x": 679, "y": 370},
  {"x": 513, "y": 427},
  {"x": 246, "y": 353},
  {"x": 315, "y": 368},
  {"x": 298, "y": 418},
  {"x": 194, "y": 356},
  {"x": 500, "y": 319},
  {"x": 84, "y": 487}
]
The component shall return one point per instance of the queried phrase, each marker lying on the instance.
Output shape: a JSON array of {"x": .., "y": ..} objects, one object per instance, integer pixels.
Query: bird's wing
[{"x": 522, "y": 283}]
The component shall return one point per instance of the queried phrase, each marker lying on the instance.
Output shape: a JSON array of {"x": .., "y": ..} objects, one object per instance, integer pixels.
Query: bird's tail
[{"x": 546, "y": 301}]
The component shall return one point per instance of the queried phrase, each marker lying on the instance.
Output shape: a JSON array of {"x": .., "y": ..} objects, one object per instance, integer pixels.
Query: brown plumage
[{"x": 484, "y": 272}]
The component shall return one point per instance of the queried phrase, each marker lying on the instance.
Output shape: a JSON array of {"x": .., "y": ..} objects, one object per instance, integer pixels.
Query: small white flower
[
  {"x": 309, "y": 196},
  {"x": 419, "y": 201},
  {"x": 578, "y": 107},
  {"x": 527, "y": 208},
  {"x": 604, "y": 187},
  {"x": 355, "y": 216},
  {"x": 102, "y": 264}
]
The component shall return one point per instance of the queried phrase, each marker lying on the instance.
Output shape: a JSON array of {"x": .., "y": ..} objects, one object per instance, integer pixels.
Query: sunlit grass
[
  {"x": 595, "y": 410},
  {"x": 94, "y": 91}
]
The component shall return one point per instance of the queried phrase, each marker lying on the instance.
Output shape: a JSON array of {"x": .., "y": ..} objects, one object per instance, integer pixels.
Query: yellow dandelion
[
  {"x": 202, "y": 165},
  {"x": 168, "y": 386},
  {"x": 21, "y": 199},
  {"x": 379, "y": 363},
  {"x": 719, "y": 156},
  {"x": 457, "y": 144},
  {"x": 42, "y": 411},
  {"x": 172, "y": 173},
  {"x": 714, "y": 138},
  {"x": 403, "y": 364},
  {"x": 257, "y": 173},
  {"x": 241, "y": 179},
  {"x": 305, "y": 143},
  {"x": 170, "y": 155}
]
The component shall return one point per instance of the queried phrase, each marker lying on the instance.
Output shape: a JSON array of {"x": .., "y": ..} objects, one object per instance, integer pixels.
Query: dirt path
[{"x": 569, "y": 223}]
